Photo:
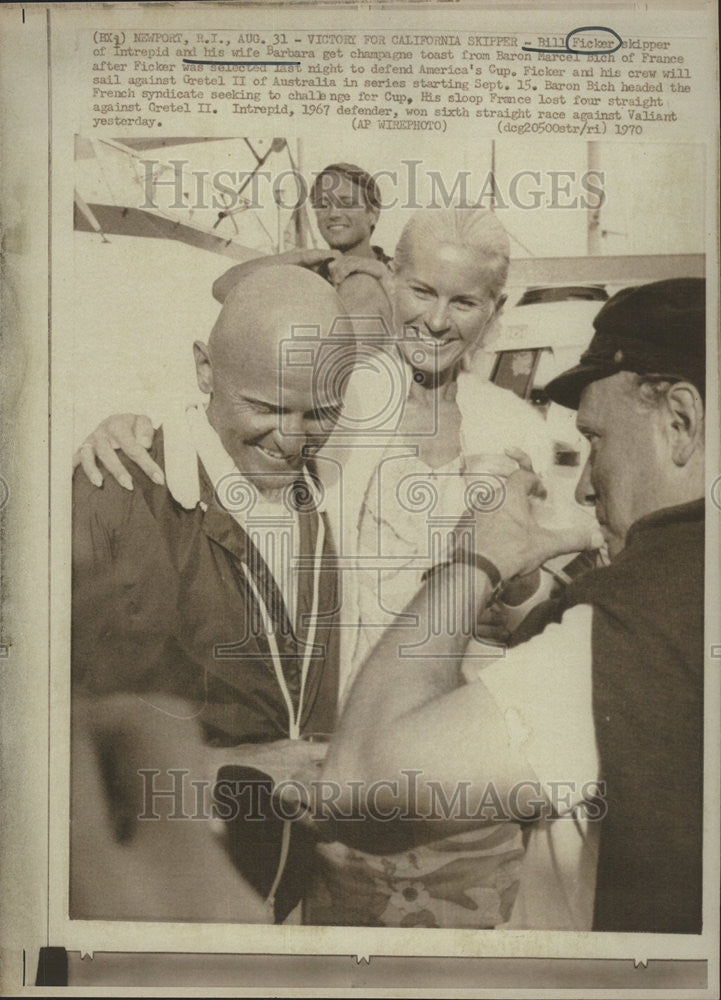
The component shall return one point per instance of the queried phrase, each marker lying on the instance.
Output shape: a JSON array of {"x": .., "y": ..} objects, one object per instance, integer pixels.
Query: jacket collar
[
  {"x": 200, "y": 473},
  {"x": 217, "y": 522}
]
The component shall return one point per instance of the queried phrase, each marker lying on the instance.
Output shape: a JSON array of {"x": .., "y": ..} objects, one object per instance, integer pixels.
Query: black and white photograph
[{"x": 205, "y": 609}]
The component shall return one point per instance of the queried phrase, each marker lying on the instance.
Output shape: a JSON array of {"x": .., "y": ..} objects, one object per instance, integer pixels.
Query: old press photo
[{"x": 360, "y": 496}]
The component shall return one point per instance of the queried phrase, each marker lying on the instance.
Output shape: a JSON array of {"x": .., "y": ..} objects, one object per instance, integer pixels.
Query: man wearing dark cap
[{"x": 597, "y": 711}]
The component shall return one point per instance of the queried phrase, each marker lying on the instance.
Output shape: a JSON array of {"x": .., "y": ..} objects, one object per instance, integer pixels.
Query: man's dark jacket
[
  {"x": 161, "y": 604},
  {"x": 648, "y": 656}
]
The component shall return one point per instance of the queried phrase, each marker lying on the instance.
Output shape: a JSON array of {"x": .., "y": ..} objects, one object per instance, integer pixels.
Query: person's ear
[
  {"x": 686, "y": 414},
  {"x": 373, "y": 215},
  {"x": 203, "y": 366}
]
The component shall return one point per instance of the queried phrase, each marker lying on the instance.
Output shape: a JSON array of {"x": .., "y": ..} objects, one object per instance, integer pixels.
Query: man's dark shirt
[
  {"x": 161, "y": 604},
  {"x": 648, "y": 655}
]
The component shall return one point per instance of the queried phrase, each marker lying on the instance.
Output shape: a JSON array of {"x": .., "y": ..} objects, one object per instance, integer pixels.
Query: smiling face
[
  {"x": 443, "y": 304},
  {"x": 271, "y": 422},
  {"x": 344, "y": 219},
  {"x": 271, "y": 411},
  {"x": 624, "y": 477}
]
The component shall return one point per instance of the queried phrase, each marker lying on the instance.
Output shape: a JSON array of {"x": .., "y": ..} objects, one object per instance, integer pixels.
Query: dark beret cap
[{"x": 658, "y": 329}]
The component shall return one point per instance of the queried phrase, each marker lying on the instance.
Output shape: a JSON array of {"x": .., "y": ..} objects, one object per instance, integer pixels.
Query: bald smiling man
[{"x": 203, "y": 608}]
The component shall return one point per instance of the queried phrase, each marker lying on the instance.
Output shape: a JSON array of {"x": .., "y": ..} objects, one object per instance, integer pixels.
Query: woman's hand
[{"x": 127, "y": 432}]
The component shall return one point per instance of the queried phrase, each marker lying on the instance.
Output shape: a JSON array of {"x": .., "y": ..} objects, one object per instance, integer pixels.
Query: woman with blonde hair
[{"x": 401, "y": 494}]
